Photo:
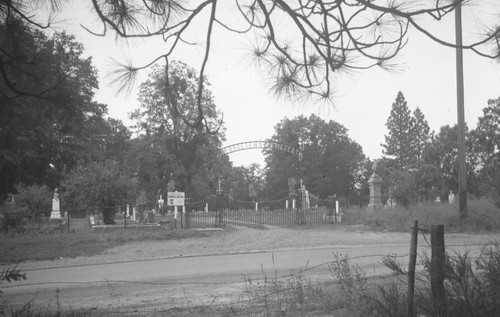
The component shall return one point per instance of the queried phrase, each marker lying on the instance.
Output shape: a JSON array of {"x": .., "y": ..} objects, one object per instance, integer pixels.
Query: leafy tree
[
  {"x": 103, "y": 139},
  {"x": 443, "y": 153},
  {"x": 43, "y": 136},
  {"x": 399, "y": 142},
  {"x": 27, "y": 65},
  {"x": 402, "y": 187},
  {"x": 28, "y": 199},
  {"x": 101, "y": 187},
  {"x": 330, "y": 158},
  {"x": 486, "y": 144},
  {"x": 487, "y": 135},
  {"x": 428, "y": 182},
  {"x": 34, "y": 198},
  {"x": 152, "y": 164},
  {"x": 241, "y": 177},
  {"x": 169, "y": 147}
]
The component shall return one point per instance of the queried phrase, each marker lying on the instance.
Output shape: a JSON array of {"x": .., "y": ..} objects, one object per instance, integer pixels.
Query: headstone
[
  {"x": 391, "y": 203},
  {"x": 308, "y": 203},
  {"x": 142, "y": 201},
  {"x": 56, "y": 212},
  {"x": 451, "y": 197},
  {"x": 160, "y": 203},
  {"x": 251, "y": 191},
  {"x": 375, "y": 190},
  {"x": 438, "y": 199}
]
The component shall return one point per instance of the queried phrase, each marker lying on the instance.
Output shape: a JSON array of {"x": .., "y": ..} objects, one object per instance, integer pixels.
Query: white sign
[{"x": 175, "y": 199}]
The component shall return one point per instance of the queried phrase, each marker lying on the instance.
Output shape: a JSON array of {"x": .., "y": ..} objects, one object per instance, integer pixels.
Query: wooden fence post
[
  {"x": 411, "y": 268},
  {"x": 437, "y": 270}
]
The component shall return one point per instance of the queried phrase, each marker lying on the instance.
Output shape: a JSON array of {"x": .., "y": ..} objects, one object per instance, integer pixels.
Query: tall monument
[
  {"x": 56, "y": 212},
  {"x": 375, "y": 182}
]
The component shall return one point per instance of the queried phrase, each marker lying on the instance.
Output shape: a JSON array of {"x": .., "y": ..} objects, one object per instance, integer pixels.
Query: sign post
[{"x": 175, "y": 199}]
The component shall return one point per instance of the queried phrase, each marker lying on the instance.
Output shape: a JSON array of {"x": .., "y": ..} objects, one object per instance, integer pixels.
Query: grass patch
[
  {"x": 482, "y": 216},
  {"x": 16, "y": 247}
]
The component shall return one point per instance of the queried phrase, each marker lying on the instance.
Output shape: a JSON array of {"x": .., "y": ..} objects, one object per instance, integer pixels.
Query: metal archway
[{"x": 261, "y": 144}]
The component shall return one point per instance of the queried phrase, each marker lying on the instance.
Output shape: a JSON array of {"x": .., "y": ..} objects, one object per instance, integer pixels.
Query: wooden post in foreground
[
  {"x": 411, "y": 268},
  {"x": 437, "y": 270}
]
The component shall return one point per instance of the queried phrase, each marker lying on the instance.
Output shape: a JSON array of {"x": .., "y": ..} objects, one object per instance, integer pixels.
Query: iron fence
[
  {"x": 21, "y": 221},
  {"x": 215, "y": 211},
  {"x": 223, "y": 210}
]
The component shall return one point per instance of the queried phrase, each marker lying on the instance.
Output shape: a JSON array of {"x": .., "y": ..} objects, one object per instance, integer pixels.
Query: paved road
[{"x": 184, "y": 280}]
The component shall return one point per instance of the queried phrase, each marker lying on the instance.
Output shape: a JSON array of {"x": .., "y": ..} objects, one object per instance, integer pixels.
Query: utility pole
[{"x": 462, "y": 171}]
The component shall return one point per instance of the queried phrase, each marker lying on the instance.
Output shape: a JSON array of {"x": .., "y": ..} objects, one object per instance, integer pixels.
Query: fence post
[
  {"x": 337, "y": 209},
  {"x": 437, "y": 270},
  {"x": 67, "y": 220},
  {"x": 175, "y": 217},
  {"x": 125, "y": 218},
  {"x": 411, "y": 268}
]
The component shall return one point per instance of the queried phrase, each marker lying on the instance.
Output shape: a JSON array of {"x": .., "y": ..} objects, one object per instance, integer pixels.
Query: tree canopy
[
  {"x": 330, "y": 161},
  {"x": 399, "y": 124},
  {"x": 168, "y": 147},
  {"x": 42, "y": 135}
]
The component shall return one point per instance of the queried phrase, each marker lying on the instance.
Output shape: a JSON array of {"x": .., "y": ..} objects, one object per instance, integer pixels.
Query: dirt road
[{"x": 154, "y": 276}]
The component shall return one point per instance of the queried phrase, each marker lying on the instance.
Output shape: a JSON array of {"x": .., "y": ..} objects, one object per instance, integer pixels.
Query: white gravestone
[
  {"x": 56, "y": 213},
  {"x": 161, "y": 202},
  {"x": 451, "y": 197}
]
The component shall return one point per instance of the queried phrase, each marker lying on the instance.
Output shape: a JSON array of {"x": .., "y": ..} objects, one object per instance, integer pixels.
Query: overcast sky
[{"x": 363, "y": 99}]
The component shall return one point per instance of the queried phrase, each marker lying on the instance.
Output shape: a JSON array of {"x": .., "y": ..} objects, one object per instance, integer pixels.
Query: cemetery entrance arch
[{"x": 249, "y": 145}]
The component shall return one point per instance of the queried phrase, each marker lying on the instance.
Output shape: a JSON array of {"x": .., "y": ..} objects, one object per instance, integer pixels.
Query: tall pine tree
[
  {"x": 398, "y": 143},
  {"x": 421, "y": 135}
]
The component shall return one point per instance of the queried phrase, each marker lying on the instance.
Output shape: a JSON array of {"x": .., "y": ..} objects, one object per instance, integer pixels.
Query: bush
[
  {"x": 98, "y": 186},
  {"x": 29, "y": 202}
]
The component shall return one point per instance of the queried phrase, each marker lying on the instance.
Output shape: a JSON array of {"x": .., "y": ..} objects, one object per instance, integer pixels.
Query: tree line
[
  {"x": 53, "y": 134},
  {"x": 419, "y": 164},
  {"x": 64, "y": 139}
]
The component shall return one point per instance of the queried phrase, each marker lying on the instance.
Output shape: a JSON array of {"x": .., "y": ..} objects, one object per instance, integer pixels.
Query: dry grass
[
  {"x": 15, "y": 248},
  {"x": 482, "y": 216}
]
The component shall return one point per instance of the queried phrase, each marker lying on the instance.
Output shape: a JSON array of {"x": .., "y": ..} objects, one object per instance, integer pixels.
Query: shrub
[{"x": 99, "y": 186}]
